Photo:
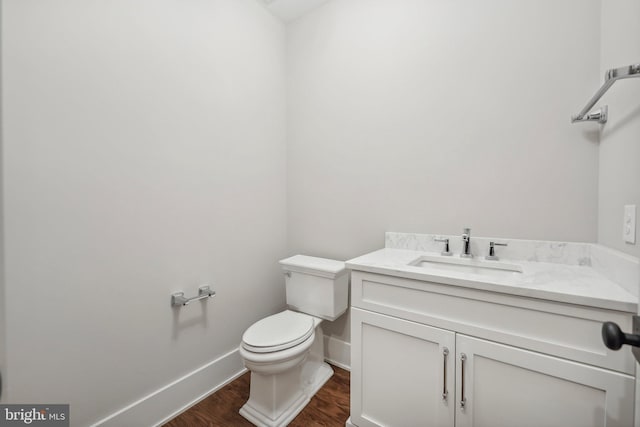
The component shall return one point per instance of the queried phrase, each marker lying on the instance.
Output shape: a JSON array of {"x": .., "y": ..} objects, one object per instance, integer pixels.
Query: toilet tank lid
[{"x": 313, "y": 264}]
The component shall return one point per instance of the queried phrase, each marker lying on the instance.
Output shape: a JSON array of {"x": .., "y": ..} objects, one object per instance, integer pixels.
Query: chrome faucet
[{"x": 466, "y": 244}]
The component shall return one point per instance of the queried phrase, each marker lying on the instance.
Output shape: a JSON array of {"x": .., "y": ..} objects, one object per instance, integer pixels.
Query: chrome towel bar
[
  {"x": 610, "y": 77},
  {"x": 204, "y": 292}
]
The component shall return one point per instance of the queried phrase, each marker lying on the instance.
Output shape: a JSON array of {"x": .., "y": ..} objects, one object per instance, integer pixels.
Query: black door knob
[{"x": 614, "y": 338}]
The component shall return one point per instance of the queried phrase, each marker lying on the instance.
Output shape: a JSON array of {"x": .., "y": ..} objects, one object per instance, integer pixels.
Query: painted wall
[
  {"x": 619, "y": 179},
  {"x": 141, "y": 159},
  {"x": 288, "y": 10},
  {"x": 427, "y": 116},
  {"x": 144, "y": 154},
  {"x": 619, "y": 182},
  {"x": 3, "y": 346}
]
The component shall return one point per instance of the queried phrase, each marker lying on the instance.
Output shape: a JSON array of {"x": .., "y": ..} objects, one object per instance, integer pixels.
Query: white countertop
[{"x": 572, "y": 284}]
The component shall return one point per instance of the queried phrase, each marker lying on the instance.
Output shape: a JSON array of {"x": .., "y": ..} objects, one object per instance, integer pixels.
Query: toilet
[{"x": 285, "y": 351}]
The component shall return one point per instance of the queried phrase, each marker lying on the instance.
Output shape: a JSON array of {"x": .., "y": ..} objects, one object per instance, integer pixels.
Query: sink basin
[{"x": 471, "y": 266}]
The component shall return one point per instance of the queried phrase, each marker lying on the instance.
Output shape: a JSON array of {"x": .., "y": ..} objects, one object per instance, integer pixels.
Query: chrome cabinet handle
[
  {"x": 463, "y": 399},
  {"x": 445, "y": 356}
]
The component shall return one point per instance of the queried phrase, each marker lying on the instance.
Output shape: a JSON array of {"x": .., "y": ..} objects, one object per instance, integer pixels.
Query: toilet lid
[{"x": 278, "y": 332}]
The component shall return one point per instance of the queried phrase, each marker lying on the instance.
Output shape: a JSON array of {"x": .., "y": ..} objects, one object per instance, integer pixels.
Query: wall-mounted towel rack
[{"x": 610, "y": 77}]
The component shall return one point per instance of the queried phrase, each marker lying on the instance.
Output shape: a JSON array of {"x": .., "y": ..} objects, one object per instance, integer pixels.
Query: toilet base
[
  {"x": 259, "y": 411},
  {"x": 276, "y": 399},
  {"x": 321, "y": 375},
  {"x": 257, "y": 418}
]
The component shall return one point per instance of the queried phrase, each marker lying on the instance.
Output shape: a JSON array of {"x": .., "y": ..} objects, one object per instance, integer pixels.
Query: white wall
[
  {"x": 619, "y": 182},
  {"x": 144, "y": 153},
  {"x": 427, "y": 116},
  {"x": 288, "y": 10},
  {"x": 3, "y": 347}
]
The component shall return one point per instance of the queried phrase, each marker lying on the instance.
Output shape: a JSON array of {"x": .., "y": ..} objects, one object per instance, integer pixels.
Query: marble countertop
[{"x": 573, "y": 284}]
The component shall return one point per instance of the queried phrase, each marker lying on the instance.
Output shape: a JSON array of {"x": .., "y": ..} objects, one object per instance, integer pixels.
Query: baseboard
[
  {"x": 337, "y": 352},
  {"x": 167, "y": 402}
]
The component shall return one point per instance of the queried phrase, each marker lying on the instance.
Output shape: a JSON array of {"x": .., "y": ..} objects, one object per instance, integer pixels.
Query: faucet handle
[
  {"x": 492, "y": 251},
  {"x": 446, "y": 251}
]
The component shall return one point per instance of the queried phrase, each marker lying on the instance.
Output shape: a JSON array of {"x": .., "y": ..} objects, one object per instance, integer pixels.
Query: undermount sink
[{"x": 466, "y": 265}]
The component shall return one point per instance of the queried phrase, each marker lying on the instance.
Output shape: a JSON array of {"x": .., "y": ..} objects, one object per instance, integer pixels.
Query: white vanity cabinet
[
  {"x": 429, "y": 354},
  {"x": 405, "y": 374},
  {"x": 505, "y": 386}
]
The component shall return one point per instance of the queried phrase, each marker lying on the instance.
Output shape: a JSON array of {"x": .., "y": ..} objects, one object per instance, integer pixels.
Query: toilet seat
[{"x": 278, "y": 332}]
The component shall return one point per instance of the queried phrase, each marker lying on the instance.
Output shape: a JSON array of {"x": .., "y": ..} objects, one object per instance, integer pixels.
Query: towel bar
[{"x": 610, "y": 77}]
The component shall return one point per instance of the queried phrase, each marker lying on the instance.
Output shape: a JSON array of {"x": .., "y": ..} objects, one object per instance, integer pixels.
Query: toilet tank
[{"x": 316, "y": 286}]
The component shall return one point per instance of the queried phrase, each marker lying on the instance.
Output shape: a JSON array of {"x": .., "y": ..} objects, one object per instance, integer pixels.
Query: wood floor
[{"x": 328, "y": 408}]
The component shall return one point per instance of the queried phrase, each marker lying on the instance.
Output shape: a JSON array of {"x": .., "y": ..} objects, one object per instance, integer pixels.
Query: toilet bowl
[
  {"x": 285, "y": 351},
  {"x": 277, "y": 343}
]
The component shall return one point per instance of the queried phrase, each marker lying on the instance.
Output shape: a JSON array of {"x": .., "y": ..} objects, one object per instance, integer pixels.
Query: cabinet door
[
  {"x": 402, "y": 373},
  {"x": 503, "y": 386}
]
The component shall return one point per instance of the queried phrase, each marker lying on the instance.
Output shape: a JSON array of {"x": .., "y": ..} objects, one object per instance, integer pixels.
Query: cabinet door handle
[
  {"x": 463, "y": 399},
  {"x": 445, "y": 356}
]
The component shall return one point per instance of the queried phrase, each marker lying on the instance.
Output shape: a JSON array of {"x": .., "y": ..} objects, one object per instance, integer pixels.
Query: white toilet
[{"x": 285, "y": 351}]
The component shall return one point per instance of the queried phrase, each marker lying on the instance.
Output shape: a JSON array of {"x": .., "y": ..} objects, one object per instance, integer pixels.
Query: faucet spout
[{"x": 466, "y": 243}]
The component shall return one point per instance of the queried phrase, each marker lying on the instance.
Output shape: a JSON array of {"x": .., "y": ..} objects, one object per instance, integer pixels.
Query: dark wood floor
[{"x": 328, "y": 408}]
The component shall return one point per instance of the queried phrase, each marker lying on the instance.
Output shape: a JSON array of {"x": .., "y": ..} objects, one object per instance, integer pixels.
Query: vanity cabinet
[
  {"x": 506, "y": 386},
  {"x": 406, "y": 372},
  {"x": 428, "y": 354}
]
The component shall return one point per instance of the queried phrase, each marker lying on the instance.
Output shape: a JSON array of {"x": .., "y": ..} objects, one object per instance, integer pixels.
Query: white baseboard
[
  {"x": 337, "y": 352},
  {"x": 167, "y": 402}
]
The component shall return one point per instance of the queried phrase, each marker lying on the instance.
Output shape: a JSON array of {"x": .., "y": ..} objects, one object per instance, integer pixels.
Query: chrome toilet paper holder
[{"x": 204, "y": 292}]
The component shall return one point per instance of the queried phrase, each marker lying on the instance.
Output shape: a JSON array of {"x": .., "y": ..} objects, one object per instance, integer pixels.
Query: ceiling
[{"x": 288, "y": 10}]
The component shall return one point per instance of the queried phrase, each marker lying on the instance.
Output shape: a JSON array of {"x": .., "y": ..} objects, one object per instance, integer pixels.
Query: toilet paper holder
[{"x": 204, "y": 292}]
